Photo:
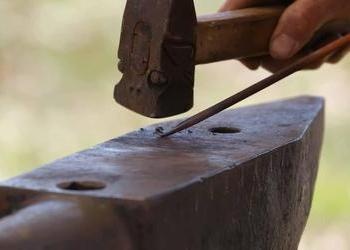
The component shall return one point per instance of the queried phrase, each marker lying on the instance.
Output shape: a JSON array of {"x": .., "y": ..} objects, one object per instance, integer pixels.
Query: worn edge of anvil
[{"x": 317, "y": 101}]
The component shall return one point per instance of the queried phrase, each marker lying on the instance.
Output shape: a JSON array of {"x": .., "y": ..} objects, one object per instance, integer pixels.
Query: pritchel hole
[
  {"x": 224, "y": 130},
  {"x": 81, "y": 185}
]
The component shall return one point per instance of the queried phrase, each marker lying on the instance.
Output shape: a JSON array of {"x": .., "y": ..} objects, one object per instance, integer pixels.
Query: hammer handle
[{"x": 235, "y": 34}]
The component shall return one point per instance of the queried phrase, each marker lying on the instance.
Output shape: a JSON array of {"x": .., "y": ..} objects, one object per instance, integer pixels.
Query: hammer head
[{"x": 156, "y": 52}]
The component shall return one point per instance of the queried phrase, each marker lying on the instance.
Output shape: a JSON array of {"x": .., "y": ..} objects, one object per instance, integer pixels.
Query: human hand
[{"x": 296, "y": 27}]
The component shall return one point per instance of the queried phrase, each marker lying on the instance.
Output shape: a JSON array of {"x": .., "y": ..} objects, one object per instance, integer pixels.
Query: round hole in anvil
[
  {"x": 224, "y": 130},
  {"x": 81, "y": 185}
]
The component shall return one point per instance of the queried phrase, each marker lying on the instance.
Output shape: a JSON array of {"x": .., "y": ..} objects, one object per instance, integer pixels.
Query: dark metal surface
[
  {"x": 243, "y": 179},
  {"x": 161, "y": 41},
  {"x": 48, "y": 222},
  {"x": 156, "y": 55}
]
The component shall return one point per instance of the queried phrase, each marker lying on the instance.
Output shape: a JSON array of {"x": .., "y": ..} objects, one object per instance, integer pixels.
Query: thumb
[{"x": 297, "y": 26}]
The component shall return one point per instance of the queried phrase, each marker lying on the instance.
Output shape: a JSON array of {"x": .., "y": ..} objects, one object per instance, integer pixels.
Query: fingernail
[{"x": 283, "y": 47}]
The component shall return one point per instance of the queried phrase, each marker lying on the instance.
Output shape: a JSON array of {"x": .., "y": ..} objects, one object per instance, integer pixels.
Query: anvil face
[{"x": 241, "y": 180}]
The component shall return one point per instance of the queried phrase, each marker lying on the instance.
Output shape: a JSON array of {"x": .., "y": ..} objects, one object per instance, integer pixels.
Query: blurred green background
[{"x": 57, "y": 72}]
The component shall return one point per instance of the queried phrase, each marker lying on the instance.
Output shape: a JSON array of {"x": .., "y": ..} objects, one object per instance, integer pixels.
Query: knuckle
[
  {"x": 307, "y": 16},
  {"x": 302, "y": 19}
]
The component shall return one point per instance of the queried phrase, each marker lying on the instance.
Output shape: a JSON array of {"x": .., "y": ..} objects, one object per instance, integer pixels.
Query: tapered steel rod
[{"x": 263, "y": 84}]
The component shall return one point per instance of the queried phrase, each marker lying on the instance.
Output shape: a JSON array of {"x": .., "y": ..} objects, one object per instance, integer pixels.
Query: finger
[
  {"x": 315, "y": 65},
  {"x": 319, "y": 63},
  {"x": 239, "y": 4},
  {"x": 232, "y": 5},
  {"x": 273, "y": 65},
  {"x": 339, "y": 55},
  {"x": 251, "y": 63},
  {"x": 297, "y": 25}
]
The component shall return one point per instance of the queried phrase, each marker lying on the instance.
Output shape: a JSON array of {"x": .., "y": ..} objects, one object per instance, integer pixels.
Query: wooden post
[{"x": 242, "y": 180}]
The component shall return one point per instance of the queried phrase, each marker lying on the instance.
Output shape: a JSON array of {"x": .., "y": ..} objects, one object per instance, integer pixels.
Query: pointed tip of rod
[
  {"x": 178, "y": 128},
  {"x": 170, "y": 132}
]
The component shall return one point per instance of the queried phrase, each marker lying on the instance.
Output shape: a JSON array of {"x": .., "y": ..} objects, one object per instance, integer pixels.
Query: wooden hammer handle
[{"x": 235, "y": 34}]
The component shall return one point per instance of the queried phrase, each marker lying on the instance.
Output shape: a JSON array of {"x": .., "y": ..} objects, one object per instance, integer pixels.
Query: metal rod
[{"x": 257, "y": 87}]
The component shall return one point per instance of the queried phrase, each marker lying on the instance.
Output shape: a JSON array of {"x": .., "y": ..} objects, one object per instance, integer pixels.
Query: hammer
[{"x": 162, "y": 41}]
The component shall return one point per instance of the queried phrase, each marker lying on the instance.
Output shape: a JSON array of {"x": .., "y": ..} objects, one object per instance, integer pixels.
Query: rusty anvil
[
  {"x": 162, "y": 41},
  {"x": 246, "y": 185}
]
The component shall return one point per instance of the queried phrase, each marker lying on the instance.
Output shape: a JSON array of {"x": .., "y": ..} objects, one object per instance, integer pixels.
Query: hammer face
[{"x": 156, "y": 52}]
